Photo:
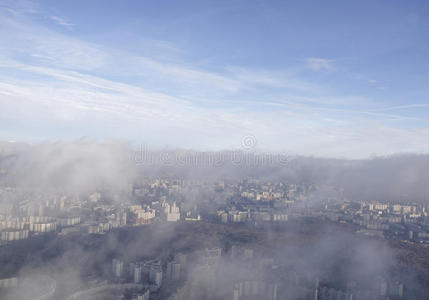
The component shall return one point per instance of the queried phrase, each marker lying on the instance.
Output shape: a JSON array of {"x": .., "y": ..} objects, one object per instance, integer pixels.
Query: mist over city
[{"x": 214, "y": 150}]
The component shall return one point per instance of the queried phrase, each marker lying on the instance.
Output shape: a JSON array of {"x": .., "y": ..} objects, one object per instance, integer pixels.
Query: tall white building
[
  {"x": 143, "y": 296},
  {"x": 117, "y": 267},
  {"x": 137, "y": 273},
  {"x": 173, "y": 270},
  {"x": 172, "y": 212}
]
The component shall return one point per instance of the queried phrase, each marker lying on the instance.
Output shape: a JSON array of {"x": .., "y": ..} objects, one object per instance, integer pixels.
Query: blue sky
[{"x": 325, "y": 78}]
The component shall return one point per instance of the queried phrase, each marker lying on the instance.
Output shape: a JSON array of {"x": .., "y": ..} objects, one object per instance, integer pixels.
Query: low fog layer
[
  {"x": 81, "y": 167},
  {"x": 306, "y": 253},
  {"x": 73, "y": 167}
]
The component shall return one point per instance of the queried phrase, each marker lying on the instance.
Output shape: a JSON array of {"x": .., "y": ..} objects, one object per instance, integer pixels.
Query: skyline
[{"x": 331, "y": 79}]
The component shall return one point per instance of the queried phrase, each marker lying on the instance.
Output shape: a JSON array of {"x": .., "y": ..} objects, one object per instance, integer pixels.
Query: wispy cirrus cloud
[
  {"x": 320, "y": 64},
  {"x": 62, "y": 22},
  {"x": 19, "y": 7},
  {"x": 410, "y": 106},
  {"x": 286, "y": 79},
  {"x": 95, "y": 89}
]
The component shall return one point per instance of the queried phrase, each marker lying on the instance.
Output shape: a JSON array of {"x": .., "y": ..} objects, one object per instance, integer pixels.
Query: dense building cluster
[
  {"x": 167, "y": 200},
  {"x": 234, "y": 203}
]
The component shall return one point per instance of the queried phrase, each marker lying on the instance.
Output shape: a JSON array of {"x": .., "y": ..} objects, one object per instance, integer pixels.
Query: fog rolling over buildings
[
  {"x": 226, "y": 150},
  {"x": 91, "y": 222}
]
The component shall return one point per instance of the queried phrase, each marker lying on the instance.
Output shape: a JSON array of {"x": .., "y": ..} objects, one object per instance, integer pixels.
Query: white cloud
[
  {"x": 320, "y": 64},
  {"x": 19, "y": 7},
  {"x": 66, "y": 82},
  {"x": 190, "y": 75},
  {"x": 62, "y": 22},
  {"x": 90, "y": 104},
  {"x": 42, "y": 46},
  {"x": 285, "y": 80}
]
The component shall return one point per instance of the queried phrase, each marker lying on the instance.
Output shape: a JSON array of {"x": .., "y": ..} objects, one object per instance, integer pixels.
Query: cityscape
[
  {"x": 214, "y": 150},
  {"x": 186, "y": 237}
]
